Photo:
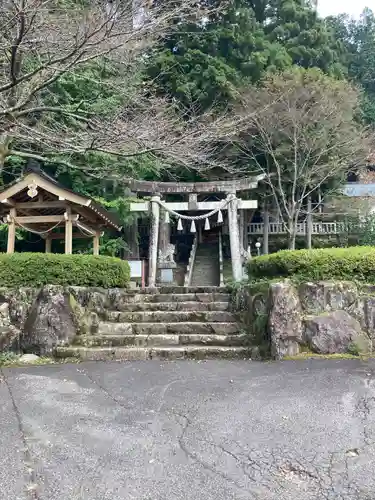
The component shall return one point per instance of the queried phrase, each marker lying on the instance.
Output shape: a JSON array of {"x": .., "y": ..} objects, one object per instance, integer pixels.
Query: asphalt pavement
[{"x": 215, "y": 430}]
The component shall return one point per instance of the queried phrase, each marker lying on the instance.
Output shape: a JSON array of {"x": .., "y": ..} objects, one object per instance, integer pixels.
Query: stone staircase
[
  {"x": 206, "y": 271},
  {"x": 164, "y": 323}
]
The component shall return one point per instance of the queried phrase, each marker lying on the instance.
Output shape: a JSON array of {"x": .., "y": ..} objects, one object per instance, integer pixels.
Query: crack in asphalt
[
  {"x": 102, "y": 388},
  {"x": 120, "y": 403},
  {"x": 260, "y": 472},
  {"x": 275, "y": 469},
  {"x": 363, "y": 408},
  {"x": 205, "y": 465},
  {"x": 31, "y": 486}
]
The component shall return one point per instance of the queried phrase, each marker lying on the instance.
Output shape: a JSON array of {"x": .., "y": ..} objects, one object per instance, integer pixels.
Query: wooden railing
[
  {"x": 317, "y": 228},
  {"x": 221, "y": 260},
  {"x": 190, "y": 266}
]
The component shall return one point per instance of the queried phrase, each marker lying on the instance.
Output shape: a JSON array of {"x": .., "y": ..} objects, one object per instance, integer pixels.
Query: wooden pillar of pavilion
[
  {"x": 12, "y": 231},
  {"x": 96, "y": 243},
  {"x": 68, "y": 231},
  {"x": 48, "y": 247}
]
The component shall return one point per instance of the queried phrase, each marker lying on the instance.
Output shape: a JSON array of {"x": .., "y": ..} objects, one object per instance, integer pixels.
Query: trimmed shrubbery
[
  {"x": 38, "y": 269},
  {"x": 353, "y": 263}
]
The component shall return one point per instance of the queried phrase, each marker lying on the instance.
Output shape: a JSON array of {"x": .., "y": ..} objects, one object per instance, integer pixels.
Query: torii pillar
[
  {"x": 154, "y": 239},
  {"x": 166, "y": 264},
  {"x": 234, "y": 237}
]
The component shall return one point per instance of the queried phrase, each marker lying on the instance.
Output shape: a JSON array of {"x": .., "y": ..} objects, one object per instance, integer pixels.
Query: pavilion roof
[{"x": 52, "y": 192}]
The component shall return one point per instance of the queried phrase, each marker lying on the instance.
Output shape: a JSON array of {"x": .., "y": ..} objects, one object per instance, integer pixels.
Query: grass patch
[
  {"x": 311, "y": 355},
  {"x": 261, "y": 286},
  {"x": 10, "y": 359}
]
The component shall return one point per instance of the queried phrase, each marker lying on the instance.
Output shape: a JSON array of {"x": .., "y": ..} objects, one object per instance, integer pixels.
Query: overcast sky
[{"x": 352, "y": 7}]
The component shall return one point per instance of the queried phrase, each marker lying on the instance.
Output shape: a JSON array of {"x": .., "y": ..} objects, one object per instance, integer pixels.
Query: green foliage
[
  {"x": 302, "y": 356},
  {"x": 305, "y": 37},
  {"x": 20, "y": 234},
  {"x": 37, "y": 269},
  {"x": 8, "y": 358},
  {"x": 302, "y": 134},
  {"x": 99, "y": 88},
  {"x": 357, "y": 39},
  {"x": 204, "y": 64},
  {"x": 13, "y": 359},
  {"x": 362, "y": 228},
  {"x": 280, "y": 242},
  {"x": 121, "y": 206},
  {"x": 96, "y": 88},
  {"x": 113, "y": 246},
  {"x": 353, "y": 263},
  {"x": 353, "y": 349}
]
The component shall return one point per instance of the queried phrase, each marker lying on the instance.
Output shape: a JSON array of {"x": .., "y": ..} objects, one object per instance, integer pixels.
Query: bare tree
[
  {"x": 302, "y": 133},
  {"x": 45, "y": 41}
]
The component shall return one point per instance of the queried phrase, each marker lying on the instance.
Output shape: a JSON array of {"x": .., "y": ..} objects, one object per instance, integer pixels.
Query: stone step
[
  {"x": 178, "y": 289},
  {"x": 206, "y": 266},
  {"x": 175, "y": 297},
  {"x": 175, "y": 306},
  {"x": 145, "y": 353},
  {"x": 158, "y": 340},
  {"x": 208, "y": 251},
  {"x": 203, "y": 276},
  {"x": 169, "y": 316},
  {"x": 180, "y": 328},
  {"x": 205, "y": 271}
]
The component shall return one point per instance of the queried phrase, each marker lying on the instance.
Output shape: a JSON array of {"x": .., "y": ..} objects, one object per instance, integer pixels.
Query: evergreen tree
[
  {"x": 358, "y": 41},
  {"x": 296, "y": 26},
  {"x": 206, "y": 62}
]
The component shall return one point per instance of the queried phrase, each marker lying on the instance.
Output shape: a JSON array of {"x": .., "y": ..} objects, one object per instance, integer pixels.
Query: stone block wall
[
  {"x": 37, "y": 320},
  {"x": 323, "y": 317}
]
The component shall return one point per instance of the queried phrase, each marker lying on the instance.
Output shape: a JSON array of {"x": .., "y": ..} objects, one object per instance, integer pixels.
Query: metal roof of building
[{"x": 359, "y": 190}]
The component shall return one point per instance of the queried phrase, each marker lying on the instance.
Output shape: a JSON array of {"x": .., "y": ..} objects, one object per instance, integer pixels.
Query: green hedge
[
  {"x": 36, "y": 269},
  {"x": 353, "y": 263}
]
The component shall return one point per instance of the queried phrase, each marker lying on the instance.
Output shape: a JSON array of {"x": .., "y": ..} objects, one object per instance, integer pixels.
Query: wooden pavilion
[{"x": 40, "y": 204}]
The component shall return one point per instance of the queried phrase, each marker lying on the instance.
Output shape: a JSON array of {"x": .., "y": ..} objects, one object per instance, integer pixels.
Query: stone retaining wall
[
  {"x": 323, "y": 317},
  {"x": 39, "y": 320}
]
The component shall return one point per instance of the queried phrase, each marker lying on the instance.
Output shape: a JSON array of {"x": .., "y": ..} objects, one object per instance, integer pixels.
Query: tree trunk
[
  {"x": 131, "y": 235},
  {"x": 4, "y": 150},
  {"x": 309, "y": 224},
  {"x": 291, "y": 234},
  {"x": 265, "y": 229},
  {"x": 131, "y": 239}
]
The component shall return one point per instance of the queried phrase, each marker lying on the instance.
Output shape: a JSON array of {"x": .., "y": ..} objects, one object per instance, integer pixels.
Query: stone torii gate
[{"x": 160, "y": 230}]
